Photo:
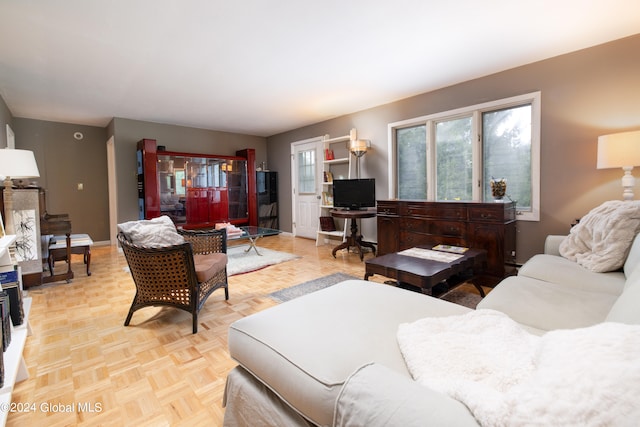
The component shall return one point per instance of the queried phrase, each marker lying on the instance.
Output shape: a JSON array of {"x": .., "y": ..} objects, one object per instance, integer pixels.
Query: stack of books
[
  {"x": 232, "y": 230},
  {"x": 9, "y": 281},
  {"x": 6, "y": 320}
]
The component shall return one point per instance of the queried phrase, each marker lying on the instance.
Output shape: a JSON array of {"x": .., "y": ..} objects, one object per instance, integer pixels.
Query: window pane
[
  {"x": 307, "y": 171},
  {"x": 454, "y": 160},
  {"x": 411, "y": 144},
  {"x": 507, "y": 152}
]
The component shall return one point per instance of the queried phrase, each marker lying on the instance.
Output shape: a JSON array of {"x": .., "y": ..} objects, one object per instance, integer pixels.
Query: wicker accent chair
[{"x": 181, "y": 276}]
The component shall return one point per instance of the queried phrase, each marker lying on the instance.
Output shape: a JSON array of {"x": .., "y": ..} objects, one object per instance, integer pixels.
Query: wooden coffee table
[{"x": 426, "y": 273}]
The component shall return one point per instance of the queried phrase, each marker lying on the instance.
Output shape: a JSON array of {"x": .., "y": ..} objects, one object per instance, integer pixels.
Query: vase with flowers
[{"x": 498, "y": 188}]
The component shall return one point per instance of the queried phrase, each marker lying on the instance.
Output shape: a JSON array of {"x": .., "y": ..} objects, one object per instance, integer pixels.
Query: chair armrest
[
  {"x": 552, "y": 244},
  {"x": 206, "y": 241}
]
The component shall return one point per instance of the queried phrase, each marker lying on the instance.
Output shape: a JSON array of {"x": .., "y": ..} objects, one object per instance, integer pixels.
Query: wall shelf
[
  {"x": 15, "y": 368},
  {"x": 342, "y": 166}
]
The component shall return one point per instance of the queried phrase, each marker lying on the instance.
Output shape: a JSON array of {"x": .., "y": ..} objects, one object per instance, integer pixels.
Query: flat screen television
[{"x": 354, "y": 193}]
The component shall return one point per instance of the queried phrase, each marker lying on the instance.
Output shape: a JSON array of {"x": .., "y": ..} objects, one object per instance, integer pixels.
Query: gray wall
[
  {"x": 5, "y": 119},
  {"x": 63, "y": 163},
  {"x": 584, "y": 94}
]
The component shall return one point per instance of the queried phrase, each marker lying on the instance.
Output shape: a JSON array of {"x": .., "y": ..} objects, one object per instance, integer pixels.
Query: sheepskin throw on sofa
[
  {"x": 508, "y": 377},
  {"x": 601, "y": 240}
]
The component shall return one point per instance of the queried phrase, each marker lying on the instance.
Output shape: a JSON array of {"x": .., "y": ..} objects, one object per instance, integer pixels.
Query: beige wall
[{"x": 584, "y": 94}]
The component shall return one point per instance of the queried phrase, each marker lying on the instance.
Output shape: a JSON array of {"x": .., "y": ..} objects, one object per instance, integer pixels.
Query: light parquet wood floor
[{"x": 155, "y": 372}]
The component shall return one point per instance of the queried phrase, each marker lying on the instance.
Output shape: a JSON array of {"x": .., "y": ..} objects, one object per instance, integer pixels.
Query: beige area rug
[
  {"x": 457, "y": 296},
  {"x": 310, "y": 286},
  {"x": 244, "y": 262}
]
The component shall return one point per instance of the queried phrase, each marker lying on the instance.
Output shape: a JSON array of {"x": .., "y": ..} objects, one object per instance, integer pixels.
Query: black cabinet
[{"x": 267, "y": 188}]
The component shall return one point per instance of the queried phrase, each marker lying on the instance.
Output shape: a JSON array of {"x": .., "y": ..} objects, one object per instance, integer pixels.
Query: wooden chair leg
[{"x": 128, "y": 319}]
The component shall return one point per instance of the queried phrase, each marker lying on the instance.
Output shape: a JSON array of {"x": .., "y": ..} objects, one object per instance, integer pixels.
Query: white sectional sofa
[
  {"x": 332, "y": 357},
  {"x": 550, "y": 292}
]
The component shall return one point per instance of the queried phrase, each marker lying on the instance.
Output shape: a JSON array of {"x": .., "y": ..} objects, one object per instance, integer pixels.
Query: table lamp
[
  {"x": 620, "y": 150},
  {"x": 15, "y": 164}
]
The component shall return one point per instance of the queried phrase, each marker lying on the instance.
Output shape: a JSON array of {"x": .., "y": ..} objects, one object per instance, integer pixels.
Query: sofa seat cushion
[
  {"x": 556, "y": 269},
  {"x": 305, "y": 349},
  {"x": 207, "y": 265},
  {"x": 548, "y": 306}
]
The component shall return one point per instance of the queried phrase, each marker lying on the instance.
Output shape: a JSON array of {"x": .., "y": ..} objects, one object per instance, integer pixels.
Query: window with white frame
[{"x": 453, "y": 155}]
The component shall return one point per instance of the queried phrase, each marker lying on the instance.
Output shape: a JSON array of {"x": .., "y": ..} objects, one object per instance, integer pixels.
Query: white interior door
[{"x": 306, "y": 186}]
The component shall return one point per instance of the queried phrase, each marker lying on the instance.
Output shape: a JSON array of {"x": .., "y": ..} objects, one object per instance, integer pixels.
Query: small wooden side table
[
  {"x": 354, "y": 239},
  {"x": 80, "y": 244}
]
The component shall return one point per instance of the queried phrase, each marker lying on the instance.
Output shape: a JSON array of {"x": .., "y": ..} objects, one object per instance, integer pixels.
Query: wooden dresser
[{"x": 403, "y": 224}]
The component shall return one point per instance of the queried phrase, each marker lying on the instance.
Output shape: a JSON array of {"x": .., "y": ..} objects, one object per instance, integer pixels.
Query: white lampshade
[
  {"x": 618, "y": 150},
  {"x": 359, "y": 146},
  {"x": 18, "y": 164}
]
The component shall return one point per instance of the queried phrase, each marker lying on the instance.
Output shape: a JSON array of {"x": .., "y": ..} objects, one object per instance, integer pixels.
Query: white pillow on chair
[{"x": 156, "y": 232}]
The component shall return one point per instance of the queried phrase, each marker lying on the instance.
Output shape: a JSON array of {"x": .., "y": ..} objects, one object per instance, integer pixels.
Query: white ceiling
[{"x": 262, "y": 67}]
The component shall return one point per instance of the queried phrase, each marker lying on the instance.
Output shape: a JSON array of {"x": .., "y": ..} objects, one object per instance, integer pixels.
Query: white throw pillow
[
  {"x": 156, "y": 232},
  {"x": 601, "y": 240}
]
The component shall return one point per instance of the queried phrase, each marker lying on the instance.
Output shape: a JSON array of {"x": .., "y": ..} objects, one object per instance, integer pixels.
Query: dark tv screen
[{"x": 354, "y": 193}]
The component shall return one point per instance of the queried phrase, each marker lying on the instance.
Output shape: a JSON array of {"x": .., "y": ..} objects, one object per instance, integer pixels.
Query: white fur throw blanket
[
  {"x": 601, "y": 240},
  {"x": 509, "y": 377}
]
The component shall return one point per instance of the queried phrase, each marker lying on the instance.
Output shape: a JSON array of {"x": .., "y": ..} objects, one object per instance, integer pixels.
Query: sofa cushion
[
  {"x": 556, "y": 269},
  {"x": 207, "y": 265},
  {"x": 548, "y": 306},
  {"x": 305, "y": 349}
]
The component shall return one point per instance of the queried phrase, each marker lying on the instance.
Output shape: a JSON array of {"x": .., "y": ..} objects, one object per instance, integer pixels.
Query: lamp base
[
  {"x": 8, "y": 206},
  {"x": 628, "y": 182}
]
